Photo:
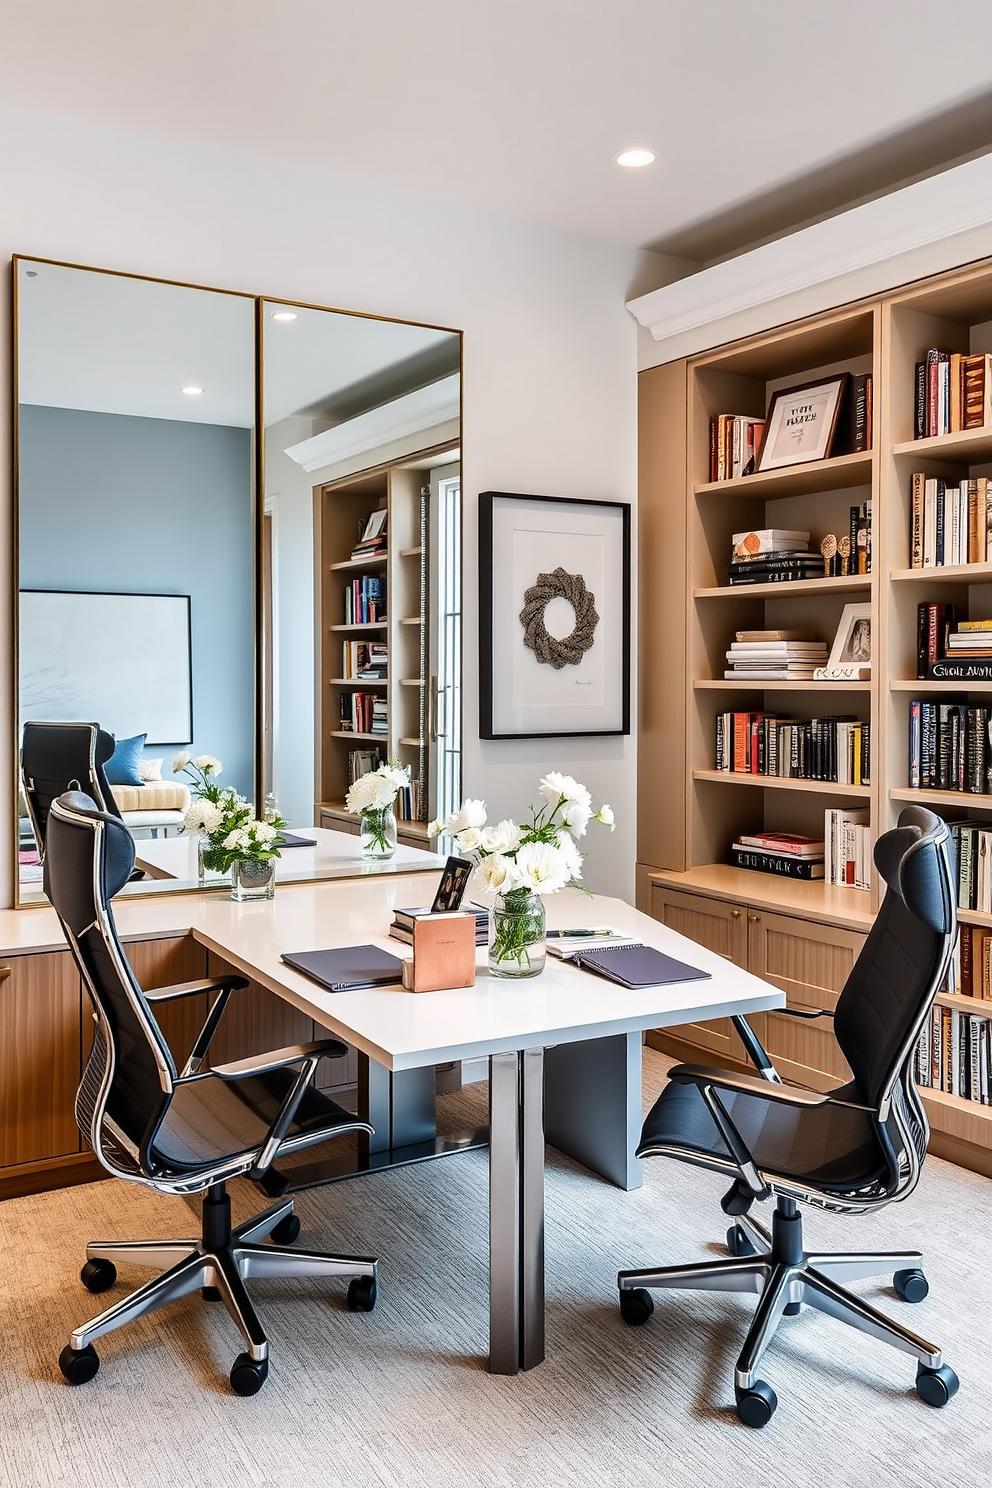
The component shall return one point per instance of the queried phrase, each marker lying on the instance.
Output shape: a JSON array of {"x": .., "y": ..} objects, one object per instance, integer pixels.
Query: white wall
[{"x": 550, "y": 361}]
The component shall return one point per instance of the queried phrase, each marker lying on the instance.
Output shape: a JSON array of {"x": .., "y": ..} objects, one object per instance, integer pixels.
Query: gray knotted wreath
[{"x": 559, "y": 585}]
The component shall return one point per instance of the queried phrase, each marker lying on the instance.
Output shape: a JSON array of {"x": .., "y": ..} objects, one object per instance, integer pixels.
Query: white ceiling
[{"x": 516, "y": 106}]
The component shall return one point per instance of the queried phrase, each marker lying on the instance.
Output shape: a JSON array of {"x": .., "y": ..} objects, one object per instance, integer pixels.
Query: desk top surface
[{"x": 405, "y": 1030}]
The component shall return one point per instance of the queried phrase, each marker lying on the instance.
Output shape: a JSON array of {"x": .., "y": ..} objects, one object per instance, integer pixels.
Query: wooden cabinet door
[
  {"x": 163, "y": 963},
  {"x": 810, "y": 963},
  {"x": 721, "y": 927},
  {"x": 39, "y": 1058}
]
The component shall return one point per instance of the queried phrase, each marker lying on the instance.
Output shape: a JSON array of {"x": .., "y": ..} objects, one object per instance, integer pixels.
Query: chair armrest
[
  {"x": 808, "y": 1013},
  {"x": 257, "y": 1064},
  {"x": 788, "y": 1095},
  {"x": 193, "y": 989}
]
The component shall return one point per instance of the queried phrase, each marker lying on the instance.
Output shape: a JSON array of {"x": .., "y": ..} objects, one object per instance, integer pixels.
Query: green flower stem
[
  {"x": 517, "y": 924},
  {"x": 374, "y": 826}
]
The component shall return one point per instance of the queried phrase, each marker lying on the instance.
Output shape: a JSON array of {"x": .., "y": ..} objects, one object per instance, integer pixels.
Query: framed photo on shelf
[
  {"x": 554, "y": 616},
  {"x": 850, "y": 654},
  {"x": 802, "y": 422}
]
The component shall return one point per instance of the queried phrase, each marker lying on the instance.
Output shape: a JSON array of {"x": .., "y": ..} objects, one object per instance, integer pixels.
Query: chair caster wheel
[
  {"x": 636, "y": 1306},
  {"x": 738, "y": 1243},
  {"x": 98, "y": 1276},
  {"x": 912, "y": 1286},
  {"x": 936, "y": 1386},
  {"x": 756, "y": 1406},
  {"x": 362, "y": 1294},
  {"x": 286, "y": 1231},
  {"x": 248, "y": 1375},
  {"x": 79, "y": 1365}
]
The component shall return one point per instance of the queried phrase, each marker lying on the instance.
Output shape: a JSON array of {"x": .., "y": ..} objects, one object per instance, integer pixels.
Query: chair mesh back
[
  {"x": 53, "y": 755},
  {"x": 90, "y": 854},
  {"x": 896, "y": 976}
]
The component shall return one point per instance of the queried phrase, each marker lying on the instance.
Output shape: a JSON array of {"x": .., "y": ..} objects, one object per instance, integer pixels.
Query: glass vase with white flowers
[
  {"x": 517, "y": 864},
  {"x": 372, "y": 797},
  {"x": 231, "y": 839}
]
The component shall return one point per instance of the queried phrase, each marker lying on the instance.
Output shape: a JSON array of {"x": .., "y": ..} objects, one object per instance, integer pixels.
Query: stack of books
[
  {"x": 365, "y": 600},
  {"x": 784, "y": 853},
  {"x": 953, "y": 392},
  {"x": 949, "y": 649},
  {"x": 773, "y": 555},
  {"x": 402, "y": 926},
  {"x": 372, "y": 543},
  {"x": 847, "y": 858},
  {"x": 775, "y": 653},
  {"x": 949, "y": 746},
  {"x": 973, "y": 841},
  {"x": 365, "y": 661},
  {"x": 363, "y": 713},
  {"x": 833, "y": 749},
  {"x": 950, "y": 522},
  {"x": 362, "y": 762},
  {"x": 408, "y": 802},
  {"x": 735, "y": 441}
]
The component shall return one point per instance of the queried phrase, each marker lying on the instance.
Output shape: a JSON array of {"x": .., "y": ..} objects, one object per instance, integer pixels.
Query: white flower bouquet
[
  {"x": 225, "y": 819},
  {"x": 516, "y": 863},
  {"x": 371, "y": 797}
]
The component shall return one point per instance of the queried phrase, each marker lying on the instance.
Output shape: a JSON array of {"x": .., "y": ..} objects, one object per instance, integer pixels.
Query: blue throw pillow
[{"x": 124, "y": 765}]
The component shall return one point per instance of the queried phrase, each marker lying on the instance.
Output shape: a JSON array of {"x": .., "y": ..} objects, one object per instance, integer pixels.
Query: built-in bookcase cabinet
[{"x": 689, "y": 813}]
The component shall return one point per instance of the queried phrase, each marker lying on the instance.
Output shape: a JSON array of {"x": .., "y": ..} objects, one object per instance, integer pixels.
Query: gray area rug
[{"x": 401, "y": 1397}]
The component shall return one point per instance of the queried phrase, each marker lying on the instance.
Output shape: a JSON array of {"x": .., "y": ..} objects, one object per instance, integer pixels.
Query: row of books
[
  {"x": 365, "y": 600},
  {"x": 970, "y": 971},
  {"x": 363, "y": 762},
  {"x": 365, "y": 661},
  {"x": 834, "y": 749},
  {"x": 953, "y": 392},
  {"x": 758, "y": 654},
  {"x": 953, "y": 1054},
  {"x": 408, "y": 802},
  {"x": 363, "y": 713},
  {"x": 950, "y": 649},
  {"x": 735, "y": 439},
  {"x": 949, "y": 746},
  {"x": 950, "y": 523},
  {"x": 784, "y": 853},
  {"x": 372, "y": 543},
  {"x": 847, "y": 859},
  {"x": 772, "y": 555},
  {"x": 973, "y": 843}
]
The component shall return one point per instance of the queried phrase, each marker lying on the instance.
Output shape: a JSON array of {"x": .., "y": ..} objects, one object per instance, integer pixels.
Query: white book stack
[
  {"x": 768, "y": 660},
  {"x": 847, "y": 849}
]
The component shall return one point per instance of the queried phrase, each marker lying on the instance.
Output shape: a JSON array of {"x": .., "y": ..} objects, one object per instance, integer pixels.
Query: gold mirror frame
[{"x": 259, "y": 302}]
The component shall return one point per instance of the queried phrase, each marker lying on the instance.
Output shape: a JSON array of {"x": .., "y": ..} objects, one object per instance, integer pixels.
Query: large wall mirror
[{"x": 287, "y": 599}]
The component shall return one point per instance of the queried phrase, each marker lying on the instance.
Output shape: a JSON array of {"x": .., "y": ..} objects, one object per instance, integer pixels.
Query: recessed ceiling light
[
  {"x": 633, "y": 159},
  {"x": 284, "y": 315},
  {"x": 192, "y": 391}
]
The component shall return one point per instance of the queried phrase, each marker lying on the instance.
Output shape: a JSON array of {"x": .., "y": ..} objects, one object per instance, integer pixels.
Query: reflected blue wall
[{"x": 137, "y": 505}]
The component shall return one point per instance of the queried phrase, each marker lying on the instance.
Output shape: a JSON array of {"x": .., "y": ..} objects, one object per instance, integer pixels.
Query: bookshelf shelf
[
  {"x": 967, "y": 1120},
  {"x": 361, "y": 683},
  {"x": 968, "y": 573},
  {"x": 778, "y": 782},
  {"x": 962, "y": 800},
  {"x": 964, "y": 1004},
  {"x": 355, "y": 565},
  {"x": 830, "y": 689},
  {"x": 939, "y": 688},
  {"x": 369, "y": 626},
  {"x": 807, "y": 898},
  {"x": 840, "y": 473},
  {"x": 365, "y": 738},
  {"x": 412, "y": 620},
  {"x": 411, "y": 743},
  {"x": 968, "y": 444},
  {"x": 411, "y": 552},
  {"x": 846, "y": 584}
]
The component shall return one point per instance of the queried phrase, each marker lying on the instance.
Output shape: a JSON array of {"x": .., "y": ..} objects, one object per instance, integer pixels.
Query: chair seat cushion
[
  {"x": 831, "y": 1146},
  {"x": 211, "y": 1120}
]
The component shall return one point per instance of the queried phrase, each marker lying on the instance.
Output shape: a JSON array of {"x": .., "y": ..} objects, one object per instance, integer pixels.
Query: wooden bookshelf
[{"x": 801, "y": 935}]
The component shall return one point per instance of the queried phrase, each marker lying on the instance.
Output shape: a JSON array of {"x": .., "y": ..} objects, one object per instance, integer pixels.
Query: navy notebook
[
  {"x": 346, "y": 968},
  {"x": 637, "y": 966},
  {"x": 290, "y": 839}
]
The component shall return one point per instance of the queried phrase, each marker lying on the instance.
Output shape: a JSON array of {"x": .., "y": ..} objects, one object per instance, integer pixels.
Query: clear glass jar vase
[
  {"x": 253, "y": 879},
  {"x": 378, "y": 831},
  {"x": 517, "y": 941},
  {"x": 204, "y": 874}
]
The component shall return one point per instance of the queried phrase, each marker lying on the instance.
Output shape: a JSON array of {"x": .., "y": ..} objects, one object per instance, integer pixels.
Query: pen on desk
[{"x": 579, "y": 934}]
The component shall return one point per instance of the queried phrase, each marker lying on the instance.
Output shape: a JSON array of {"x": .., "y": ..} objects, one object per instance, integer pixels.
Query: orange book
[{"x": 443, "y": 953}]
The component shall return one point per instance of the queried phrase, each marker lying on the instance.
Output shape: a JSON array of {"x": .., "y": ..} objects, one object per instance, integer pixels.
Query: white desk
[
  {"x": 334, "y": 855},
  {"x": 566, "y": 1011}
]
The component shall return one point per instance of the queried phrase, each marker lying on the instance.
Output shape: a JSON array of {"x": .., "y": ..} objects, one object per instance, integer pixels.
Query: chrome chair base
[
  {"x": 786, "y": 1277},
  {"x": 222, "y": 1261}
]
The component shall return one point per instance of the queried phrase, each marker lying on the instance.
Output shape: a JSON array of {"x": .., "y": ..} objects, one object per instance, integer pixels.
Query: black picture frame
[{"x": 502, "y": 648}]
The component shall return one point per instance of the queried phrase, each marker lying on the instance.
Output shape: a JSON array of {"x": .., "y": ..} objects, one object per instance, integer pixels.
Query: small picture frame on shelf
[
  {"x": 850, "y": 654},
  {"x": 802, "y": 422}
]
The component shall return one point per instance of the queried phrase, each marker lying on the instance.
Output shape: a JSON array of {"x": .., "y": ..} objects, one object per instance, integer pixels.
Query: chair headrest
[
  {"x": 118, "y": 844},
  {"x": 911, "y": 860}
]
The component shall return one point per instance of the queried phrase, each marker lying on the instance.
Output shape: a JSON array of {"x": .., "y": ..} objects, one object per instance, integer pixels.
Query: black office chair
[
  {"x": 55, "y": 756},
  {"x": 182, "y": 1132},
  {"x": 854, "y": 1149}
]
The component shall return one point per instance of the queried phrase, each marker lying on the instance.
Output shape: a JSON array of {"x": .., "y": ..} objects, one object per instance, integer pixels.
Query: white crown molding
[
  {"x": 401, "y": 424},
  {"x": 938, "y": 210}
]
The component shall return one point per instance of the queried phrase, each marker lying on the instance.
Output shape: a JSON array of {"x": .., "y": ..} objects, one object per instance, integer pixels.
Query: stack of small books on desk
[
  {"x": 784, "y": 853},
  {"x": 771, "y": 654},
  {"x": 773, "y": 555},
  {"x": 402, "y": 926}
]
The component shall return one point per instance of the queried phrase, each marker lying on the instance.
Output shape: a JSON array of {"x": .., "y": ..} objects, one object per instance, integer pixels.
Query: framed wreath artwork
[{"x": 554, "y": 622}]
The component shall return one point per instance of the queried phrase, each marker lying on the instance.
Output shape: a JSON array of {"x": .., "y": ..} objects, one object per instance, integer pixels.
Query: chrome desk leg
[{"x": 516, "y": 1211}]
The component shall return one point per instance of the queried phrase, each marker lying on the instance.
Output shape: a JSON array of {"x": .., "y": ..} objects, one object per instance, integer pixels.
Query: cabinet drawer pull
[
  {"x": 754, "y": 919},
  {"x": 735, "y": 914},
  {"x": 4, "y": 973}
]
